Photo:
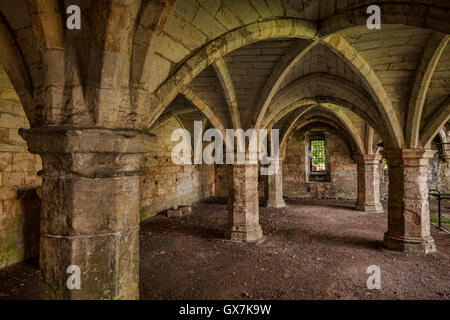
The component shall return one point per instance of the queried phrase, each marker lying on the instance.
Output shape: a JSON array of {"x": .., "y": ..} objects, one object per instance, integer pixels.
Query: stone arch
[
  {"x": 47, "y": 25},
  {"x": 304, "y": 123},
  {"x": 281, "y": 70},
  {"x": 340, "y": 91},
  {"x": 433, "y": 51},
  {"x": 442, "y": 135},
  {"x": 329, "y": 110},
  {"x": 422, "y": 15},
  {"x": 201, "y": 105},
  {"x": 86, "y": 71},
  {"x": 223, "y": 73},
  {"x": 14, "y": 64},
  {"x": 208, "y": 54},
  {"x": 440, "y": 118},
  {"x": 172, "y": 114},
  {"x": 384, "y": 105}
]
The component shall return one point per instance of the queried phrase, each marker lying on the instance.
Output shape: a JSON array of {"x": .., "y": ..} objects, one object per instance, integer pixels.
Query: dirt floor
[{"x": 311, "y": 250}]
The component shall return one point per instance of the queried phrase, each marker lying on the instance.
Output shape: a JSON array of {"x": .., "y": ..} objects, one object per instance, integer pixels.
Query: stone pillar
[
  {"x": 243, "y": 203},
  {"x": 368, "y": 183},
  {"x": 274, "y": 187},
  {"x": 90, "y": 210},
  {"x": 408, "y": 207}
]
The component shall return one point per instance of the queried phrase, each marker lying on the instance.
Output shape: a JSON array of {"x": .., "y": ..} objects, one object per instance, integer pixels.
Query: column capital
[
  {"x": 88, "y": 152},
  {"x": 87, "y": 140},
  {"x": 367, "y": 158},
  {"x": 408, "y": 157}
]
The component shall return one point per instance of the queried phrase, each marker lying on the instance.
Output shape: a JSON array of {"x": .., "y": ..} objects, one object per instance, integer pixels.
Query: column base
[
  {"x": 275, "y": 203},
  {"x": 109, "y": 266},
  {"x": 409, "y": 244},
  {"x": 244, "y": 234},
  {"x": 370, "y": 207}
]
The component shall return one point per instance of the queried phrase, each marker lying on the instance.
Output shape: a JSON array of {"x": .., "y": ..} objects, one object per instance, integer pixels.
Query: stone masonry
[
  {"x": 95, "y": 108},
  {"x": 369, "y": 183}
]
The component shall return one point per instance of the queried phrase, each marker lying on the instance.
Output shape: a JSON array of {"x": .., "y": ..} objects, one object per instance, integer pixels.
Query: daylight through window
[{"x": 317, "y": 155}]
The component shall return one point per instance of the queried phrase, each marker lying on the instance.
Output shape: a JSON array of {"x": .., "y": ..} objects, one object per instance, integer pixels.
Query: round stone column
[{"x": 90, "y": 210}]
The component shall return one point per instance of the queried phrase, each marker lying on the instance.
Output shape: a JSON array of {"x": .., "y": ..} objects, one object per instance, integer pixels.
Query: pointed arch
[
  {"x": 384, "y": 105},
  {"x": 321, "y": 88},
  {"x": 208, "y": 54},
  {"x": 440, "y": 118},
  {"x": 279, "y": 73},
  {"x": 223, "y": 73},
  {"x": 430, "y": 15},
  {"x": 333, "y": 110},
  {"x": 12, "y": 61},
  {"x": 201, "y": 104},
  {"x": 433, "y": 51}
]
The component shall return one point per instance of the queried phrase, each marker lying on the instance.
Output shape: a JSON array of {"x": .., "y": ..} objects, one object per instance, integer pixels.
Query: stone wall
[
  {"x": 343, "y": 174},
  {"x": 434, "y": 171},
  {"x": 164, "y": 184},
  {"x": 444, "y": 174},
  {"x": 19, "y": 201},
  {"x": 439, "y": 171}
]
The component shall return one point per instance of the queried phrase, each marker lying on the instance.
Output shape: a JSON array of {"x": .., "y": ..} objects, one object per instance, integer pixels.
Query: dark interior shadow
[
  {"x": 31, "y": 204},
  {"x": 215, "y": 200}
]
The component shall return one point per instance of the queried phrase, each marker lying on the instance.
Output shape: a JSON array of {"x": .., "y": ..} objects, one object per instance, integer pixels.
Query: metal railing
[{"x": 439, "y": 196}]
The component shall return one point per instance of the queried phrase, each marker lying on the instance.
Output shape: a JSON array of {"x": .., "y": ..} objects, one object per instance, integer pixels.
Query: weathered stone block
[
  {"x": 174, "y": 213},
  {"x": 186, "y": 210}
]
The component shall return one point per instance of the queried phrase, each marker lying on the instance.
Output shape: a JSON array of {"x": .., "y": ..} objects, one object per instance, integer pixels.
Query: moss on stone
[{"x": 10, "y": 251}]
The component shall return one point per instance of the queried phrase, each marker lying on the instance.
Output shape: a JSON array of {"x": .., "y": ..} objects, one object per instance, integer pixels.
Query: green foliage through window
[
  {"x": 385, "y": 166},
  {"x": 317, "y": 155}
]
